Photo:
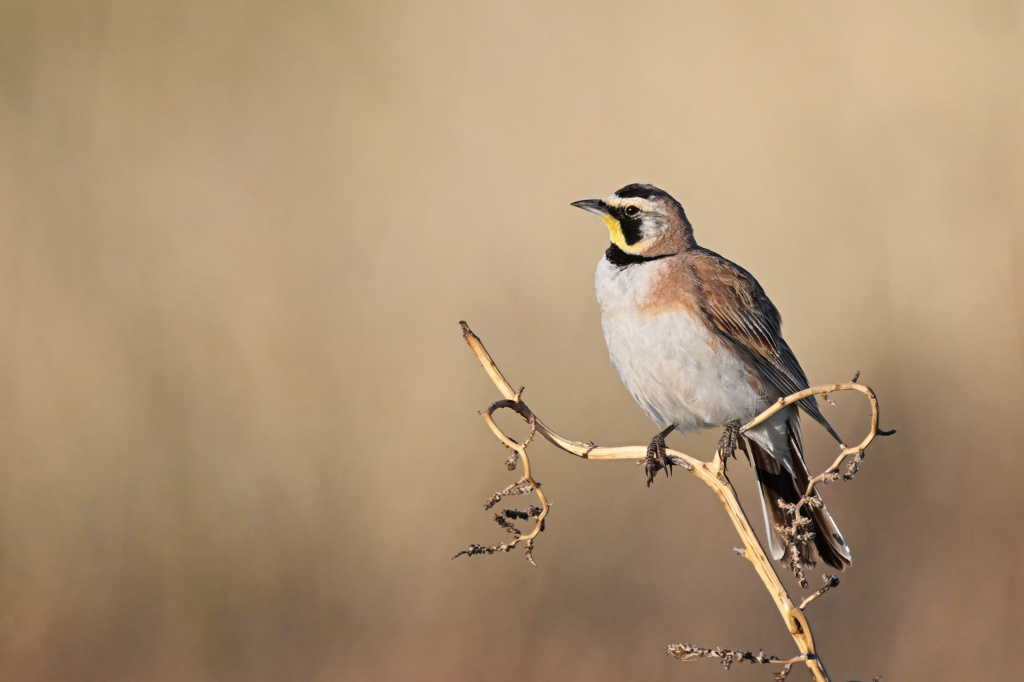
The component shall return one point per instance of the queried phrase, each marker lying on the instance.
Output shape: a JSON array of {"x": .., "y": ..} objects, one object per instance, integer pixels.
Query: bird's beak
[
  {"x": 602, "y": 209},
  {"x": 593, "y": 205}
]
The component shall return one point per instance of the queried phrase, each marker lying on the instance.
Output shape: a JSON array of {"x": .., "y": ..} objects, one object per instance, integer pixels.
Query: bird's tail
[{"x": 777, "y": 484}]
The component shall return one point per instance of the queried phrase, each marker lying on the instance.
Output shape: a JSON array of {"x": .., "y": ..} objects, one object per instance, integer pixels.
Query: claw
[
  {"x": 657, "y": 458},
  {"x": 729, "y": 441}
]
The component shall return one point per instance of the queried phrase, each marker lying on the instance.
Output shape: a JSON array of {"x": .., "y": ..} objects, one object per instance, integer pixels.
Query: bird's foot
[
  {"x": 657, "y": 457},
  {"x": 729, "y": 441}
]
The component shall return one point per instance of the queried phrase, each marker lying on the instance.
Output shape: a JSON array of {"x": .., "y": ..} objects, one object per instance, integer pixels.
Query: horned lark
[{"x": 698, "y": 343}]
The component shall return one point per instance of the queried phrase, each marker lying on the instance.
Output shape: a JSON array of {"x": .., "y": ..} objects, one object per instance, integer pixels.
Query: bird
[{"x": 698, "y": 344}]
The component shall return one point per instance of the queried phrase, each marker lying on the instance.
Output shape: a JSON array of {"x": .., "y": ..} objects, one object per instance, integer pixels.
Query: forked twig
[
  {"x": 524, "y": 485},
  {"x": 829, "y": 581},
  {"x": 713, "y": 474}
]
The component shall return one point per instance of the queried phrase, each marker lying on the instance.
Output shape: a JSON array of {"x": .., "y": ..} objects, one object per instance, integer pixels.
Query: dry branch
[
  {"x": 713, "y": 474},
  {"x": 690, "y": 652}
]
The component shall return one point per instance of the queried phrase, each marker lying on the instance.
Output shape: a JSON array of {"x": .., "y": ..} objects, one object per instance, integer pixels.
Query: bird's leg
[
  {"x": 657, "y": 457},
  {"x": 730, "y": 440}
]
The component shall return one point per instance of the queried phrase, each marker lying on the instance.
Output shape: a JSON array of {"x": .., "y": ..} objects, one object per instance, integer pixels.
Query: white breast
[{"x": 671, "y": 362}]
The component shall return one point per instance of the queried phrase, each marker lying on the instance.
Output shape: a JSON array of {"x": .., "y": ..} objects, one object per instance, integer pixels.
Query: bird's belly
[{"x": 677, "y": 370}]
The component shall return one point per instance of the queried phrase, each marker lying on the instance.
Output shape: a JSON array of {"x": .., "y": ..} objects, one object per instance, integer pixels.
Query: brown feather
[{"x": 741, "y": 313}]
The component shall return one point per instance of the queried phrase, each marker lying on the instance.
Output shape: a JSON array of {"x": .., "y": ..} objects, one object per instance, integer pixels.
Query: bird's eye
[{"x": 631, "y": 210}]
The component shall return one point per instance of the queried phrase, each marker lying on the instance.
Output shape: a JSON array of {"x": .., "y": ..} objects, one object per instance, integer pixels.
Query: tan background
[{"x": 237, "y": 421}]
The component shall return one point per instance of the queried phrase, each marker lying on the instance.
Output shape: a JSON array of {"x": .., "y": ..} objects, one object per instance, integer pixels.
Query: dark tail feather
[
  {"x": 829, "y": 542},
  {"x": 777, "y": 484}
]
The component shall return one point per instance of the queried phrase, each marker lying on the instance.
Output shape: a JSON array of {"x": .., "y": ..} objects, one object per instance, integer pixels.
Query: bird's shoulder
[{"x": 734, "y": 300}]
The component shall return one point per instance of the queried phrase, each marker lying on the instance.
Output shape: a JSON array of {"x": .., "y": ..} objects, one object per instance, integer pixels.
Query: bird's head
[{"x": 642, "y": 219}]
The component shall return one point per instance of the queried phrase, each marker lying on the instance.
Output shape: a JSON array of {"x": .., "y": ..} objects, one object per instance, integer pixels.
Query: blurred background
[{"x": 237, "y": 419}]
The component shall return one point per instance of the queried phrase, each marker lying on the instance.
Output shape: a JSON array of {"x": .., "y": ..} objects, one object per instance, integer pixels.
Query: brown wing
[{"x": 739, "y": 310}]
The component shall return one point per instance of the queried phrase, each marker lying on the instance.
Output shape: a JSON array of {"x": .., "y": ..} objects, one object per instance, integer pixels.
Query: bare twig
[
  {"x": 523, "y": 486},
  {"x": 691, "y": 652},
  {"x": 830, "y": 580},
  {"x": 713, "y": 474}
]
